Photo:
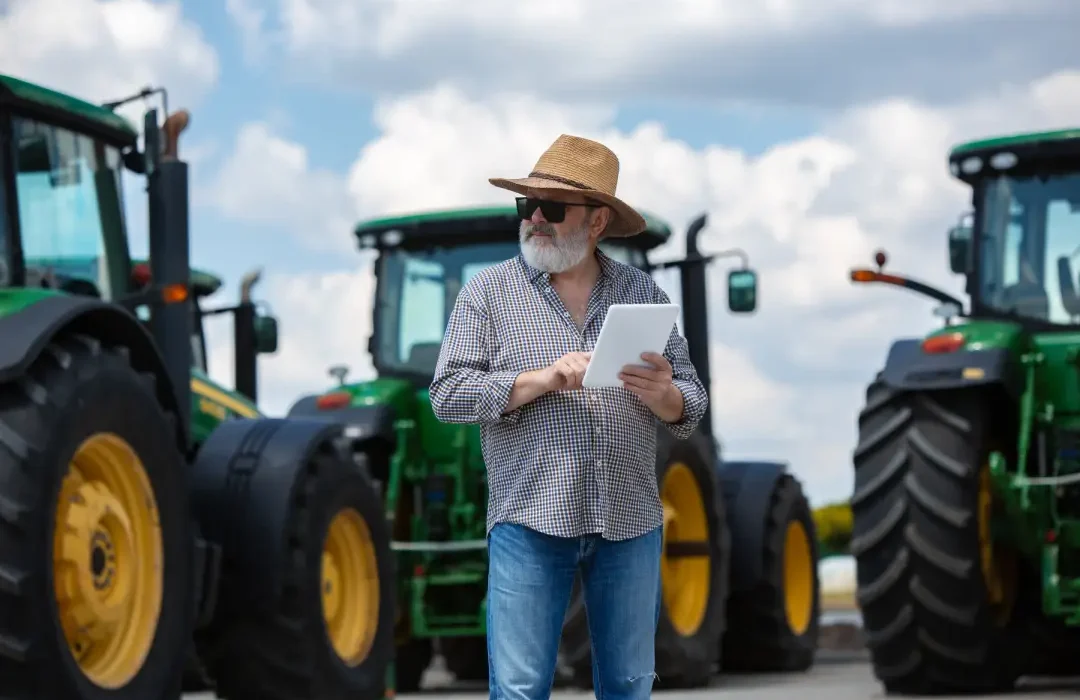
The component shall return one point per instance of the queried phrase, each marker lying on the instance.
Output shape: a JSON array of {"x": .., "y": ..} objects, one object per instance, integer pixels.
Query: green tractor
[
  {"x": 967, "y": 470},
  {"x": 157, "y": 534},
  {"x": 740, "y": 577}
]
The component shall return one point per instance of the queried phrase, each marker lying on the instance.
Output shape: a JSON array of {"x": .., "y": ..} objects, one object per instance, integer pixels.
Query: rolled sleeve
[
  {"x": 463, "y": 389},
  {"x": 685, "y": 379}
]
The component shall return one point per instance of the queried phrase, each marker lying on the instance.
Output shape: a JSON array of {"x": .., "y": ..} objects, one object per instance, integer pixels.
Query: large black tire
[
  {"x": 774, "y": 626},
  {"x": 916, "y": 541},
  {"x": 80, "y": 396},
  {"x": 691, "y": 625},
  {"x": 291, "y": 653}
]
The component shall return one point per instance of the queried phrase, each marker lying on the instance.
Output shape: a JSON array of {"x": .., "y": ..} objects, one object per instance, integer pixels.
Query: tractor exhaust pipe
[
  {"x": 695, "y": 311},
  {"x": 244, "y": 350},
  {"x": 167, "y": 192}
]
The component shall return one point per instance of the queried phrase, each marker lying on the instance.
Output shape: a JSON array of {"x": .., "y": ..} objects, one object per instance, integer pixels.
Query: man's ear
[{"x": 598, "y": 223}]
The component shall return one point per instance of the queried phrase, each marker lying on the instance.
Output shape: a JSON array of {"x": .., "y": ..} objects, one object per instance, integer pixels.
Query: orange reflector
[
  {"x": 864, "y": 275},
  {"x": 949, "y": 342},
  {"x": 174, "y": 293},
  {"x": 333, "y": 401}
]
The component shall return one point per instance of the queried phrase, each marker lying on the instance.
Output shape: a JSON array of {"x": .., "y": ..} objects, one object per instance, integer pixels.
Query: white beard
[{"x": 556, "y": 254}]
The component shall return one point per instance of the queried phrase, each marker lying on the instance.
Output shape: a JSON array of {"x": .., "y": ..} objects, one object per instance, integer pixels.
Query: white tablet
[{"x": 628, "y": 331}]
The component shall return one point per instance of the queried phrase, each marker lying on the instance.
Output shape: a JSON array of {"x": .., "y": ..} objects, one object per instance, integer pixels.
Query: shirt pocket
[{"x": 531, "y": 339}]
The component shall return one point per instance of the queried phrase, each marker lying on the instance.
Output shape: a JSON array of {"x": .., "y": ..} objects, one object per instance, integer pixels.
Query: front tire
[
  {"x": 331, "y": 635},
  {"x": 95, "y": 556},
  {"x": 774, "y": 626},
  {"x": 921, "y": 513}
]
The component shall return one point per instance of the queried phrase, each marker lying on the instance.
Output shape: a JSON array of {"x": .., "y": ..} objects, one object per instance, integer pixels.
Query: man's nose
[{"x": 538, "y": 217}]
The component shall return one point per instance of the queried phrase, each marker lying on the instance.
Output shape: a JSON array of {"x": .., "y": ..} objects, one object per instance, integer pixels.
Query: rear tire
[
  {"x": 774, "y": 626},
  {"x": 694, "y": 568},
  {"x": 916, "y": 542},
  {"x": 86, "y": 446},
  {"x": 332, "y": 633}
]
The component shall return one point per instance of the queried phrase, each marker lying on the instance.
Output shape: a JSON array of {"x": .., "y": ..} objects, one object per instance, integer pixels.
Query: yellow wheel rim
[
  {"x": 998, "y": 563},
  {"x": 798, "y": 578},
  {"x": 108, "y": 560},
  {"x": 350, "y": 587},
  {"x": 685, "y": 568}
]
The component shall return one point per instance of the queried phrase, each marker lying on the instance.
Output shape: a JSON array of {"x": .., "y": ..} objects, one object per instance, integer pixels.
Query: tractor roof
[
  {"x": 35, "y": 100},
  {"x": 1063, "y": 139},
  {"x": 493, "y": 221}
]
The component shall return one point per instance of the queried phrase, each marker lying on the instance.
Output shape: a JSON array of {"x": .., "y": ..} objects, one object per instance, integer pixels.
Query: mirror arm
[{"x": 865, "y": 276}]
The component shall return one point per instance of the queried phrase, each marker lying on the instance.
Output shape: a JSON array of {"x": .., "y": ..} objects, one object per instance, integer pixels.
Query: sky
[{"x": 811, "y": 132}]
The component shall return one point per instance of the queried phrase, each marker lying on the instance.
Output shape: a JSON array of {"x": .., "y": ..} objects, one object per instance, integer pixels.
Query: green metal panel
[
  {"x": 1014, "y": 140},
  {"x": 653, "y": 224},
  {"x": 14, "y": 300},
  {"x": 14, "y": 89}
]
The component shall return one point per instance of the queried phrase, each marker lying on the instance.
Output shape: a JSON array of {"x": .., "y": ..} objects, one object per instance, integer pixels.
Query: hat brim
[{"x": 625, "y": 222}]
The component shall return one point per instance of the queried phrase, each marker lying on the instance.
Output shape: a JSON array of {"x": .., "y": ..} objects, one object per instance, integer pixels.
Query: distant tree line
[{"x": 833, "y": 523}]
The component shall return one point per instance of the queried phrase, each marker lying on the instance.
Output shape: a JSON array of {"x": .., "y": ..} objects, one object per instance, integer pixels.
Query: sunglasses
[{"x": 554, "y": 212}]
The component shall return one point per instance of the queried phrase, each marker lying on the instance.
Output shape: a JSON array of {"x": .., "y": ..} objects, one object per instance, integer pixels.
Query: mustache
[{"x": 545, "y": 229}]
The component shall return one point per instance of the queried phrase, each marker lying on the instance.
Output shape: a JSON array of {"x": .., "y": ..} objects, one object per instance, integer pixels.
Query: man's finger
[
  {"x": 639, "y": 371},
  {"x": 656, "y": 359}
]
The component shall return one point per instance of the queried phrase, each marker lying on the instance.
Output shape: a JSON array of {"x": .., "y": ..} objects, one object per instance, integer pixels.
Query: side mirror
[
  {"x": 742, "y": 291},
  {"x": 960, "y": 249},
  {"x": 266, "y": 335}
]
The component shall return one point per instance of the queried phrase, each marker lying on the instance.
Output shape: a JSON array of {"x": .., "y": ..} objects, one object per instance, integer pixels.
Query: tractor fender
[
  {"x": 908, "y": 368},
  {"x": 748, "y": 487},
  {"x": 363, "y": 425},
  {"x": 28, "y": 332},
  {"x": 243, "y": 480},
  {"x": 304, "y": 406}
]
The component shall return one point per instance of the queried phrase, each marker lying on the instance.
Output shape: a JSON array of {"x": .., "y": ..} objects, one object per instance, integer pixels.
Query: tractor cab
[
  {"x": 1021, "y": 256},
  {"x": 62, "y": 216},
  {"x": 423, "y": 262},
  {"x": 1019, "y": 246}
]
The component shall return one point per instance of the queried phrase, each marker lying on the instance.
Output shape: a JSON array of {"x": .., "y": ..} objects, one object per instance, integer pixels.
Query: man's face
[{"x": 557, "y": 247}]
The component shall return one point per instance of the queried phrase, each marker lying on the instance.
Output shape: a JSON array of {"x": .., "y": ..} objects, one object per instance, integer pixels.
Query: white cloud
[
  {"x": 324, "y": 320},
  {"x": 788, "y": 381},
  {"x": 100, "y": 50},
  {"x": 748, "y": 50},
  {"x": 266, "y": 179}
]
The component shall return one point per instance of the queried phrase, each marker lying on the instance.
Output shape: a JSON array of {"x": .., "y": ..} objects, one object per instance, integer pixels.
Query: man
[{"x": 571, "y": 471}]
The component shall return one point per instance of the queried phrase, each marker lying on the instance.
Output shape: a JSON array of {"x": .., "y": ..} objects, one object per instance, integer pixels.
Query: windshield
[
  {"x": 417, "y": 290},
  {"x": 68, "y": 189},
  {"x": 416, "y": 293},
  {"x": 1030, "y": 247}
]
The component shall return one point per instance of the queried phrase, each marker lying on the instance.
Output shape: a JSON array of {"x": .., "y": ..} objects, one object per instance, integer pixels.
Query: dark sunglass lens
[
  {"x": 526, "y": 207},
  {"x": 554, "y": 212}
]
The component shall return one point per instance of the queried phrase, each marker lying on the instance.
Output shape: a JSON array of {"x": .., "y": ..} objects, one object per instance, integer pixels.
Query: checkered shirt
[{"x": 568, "y": 463}]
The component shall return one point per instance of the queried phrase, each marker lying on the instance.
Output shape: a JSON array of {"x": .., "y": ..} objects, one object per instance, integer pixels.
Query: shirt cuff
[
  {"x": 498, "y": 386},
  {"x": 693, "y": 409}
]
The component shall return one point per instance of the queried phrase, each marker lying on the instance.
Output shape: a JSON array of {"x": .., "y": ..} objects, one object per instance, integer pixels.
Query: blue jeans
[{"x": 530, "y": 578}]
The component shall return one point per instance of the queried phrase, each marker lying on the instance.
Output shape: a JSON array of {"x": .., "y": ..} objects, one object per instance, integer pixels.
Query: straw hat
[{"x": 575, "y": 164}]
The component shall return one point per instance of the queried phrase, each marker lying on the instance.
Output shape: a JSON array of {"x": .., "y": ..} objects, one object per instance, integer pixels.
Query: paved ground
[{"x": 836, "y": 677}]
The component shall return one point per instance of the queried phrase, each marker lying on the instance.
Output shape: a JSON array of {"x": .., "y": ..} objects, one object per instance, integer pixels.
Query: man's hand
[
  {"x": 654, "y": 387},
  {"x": 567, "y": 372}
]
